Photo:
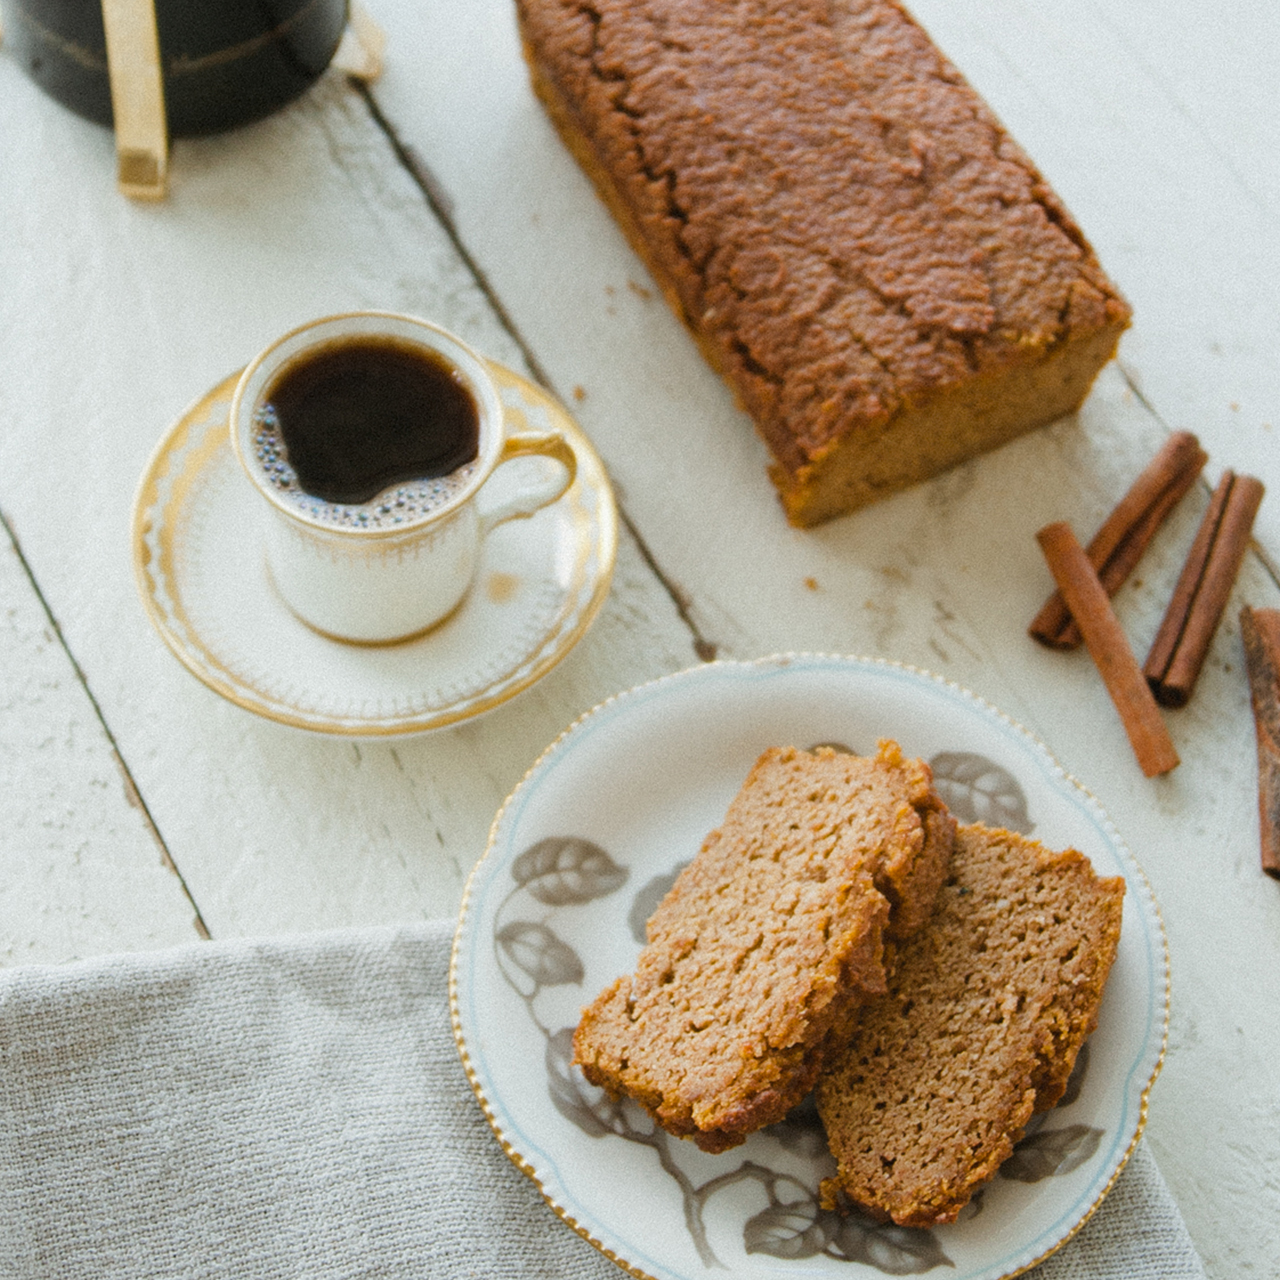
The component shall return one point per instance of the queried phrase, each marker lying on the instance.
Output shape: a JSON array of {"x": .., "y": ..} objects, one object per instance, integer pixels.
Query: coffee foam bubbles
[{"x": 401, "y": 504}]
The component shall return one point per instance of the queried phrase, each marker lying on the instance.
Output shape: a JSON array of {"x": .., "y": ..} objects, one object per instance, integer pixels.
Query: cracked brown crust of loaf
[
  {"x": 984, "y": 1017},
  {"x": 769, "y": 941},
  {"x": 883, "y": 277}
]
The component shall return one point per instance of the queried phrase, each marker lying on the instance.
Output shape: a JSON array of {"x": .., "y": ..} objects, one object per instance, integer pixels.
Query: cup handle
[{"x": 532, "y": 497}]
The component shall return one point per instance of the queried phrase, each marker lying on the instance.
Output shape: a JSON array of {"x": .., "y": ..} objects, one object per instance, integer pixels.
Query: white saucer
[{"x": 200, "y": 568}]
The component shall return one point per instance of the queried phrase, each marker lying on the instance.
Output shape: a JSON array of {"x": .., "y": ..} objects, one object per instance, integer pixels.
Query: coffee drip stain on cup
[{"x": 359, "y": 416}]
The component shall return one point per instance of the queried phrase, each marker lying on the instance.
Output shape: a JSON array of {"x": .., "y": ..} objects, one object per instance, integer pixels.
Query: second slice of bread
[{"x": 986, "y": 1012}]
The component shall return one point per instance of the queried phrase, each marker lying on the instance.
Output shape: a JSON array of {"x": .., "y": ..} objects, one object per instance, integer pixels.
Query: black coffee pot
[{"x": 181, "y": 66}]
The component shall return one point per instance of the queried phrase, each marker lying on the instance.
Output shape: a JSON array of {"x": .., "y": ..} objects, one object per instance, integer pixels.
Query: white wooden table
[{"x": 140, "y": 810}]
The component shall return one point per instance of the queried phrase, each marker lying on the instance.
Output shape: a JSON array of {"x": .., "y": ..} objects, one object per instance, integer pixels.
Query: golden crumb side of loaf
[
  {"x": 939, "y": 429},
  {"x": 767, "y": 940},
  {"x": 986, "y": 1012}
]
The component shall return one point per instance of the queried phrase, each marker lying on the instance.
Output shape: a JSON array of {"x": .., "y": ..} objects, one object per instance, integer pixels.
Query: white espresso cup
[{"x": 380, "y": 409}]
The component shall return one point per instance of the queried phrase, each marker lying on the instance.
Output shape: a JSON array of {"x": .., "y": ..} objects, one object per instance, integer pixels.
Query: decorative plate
[
  {"x": 199, "y": 564},
  {"x": 580, "y": 854}
]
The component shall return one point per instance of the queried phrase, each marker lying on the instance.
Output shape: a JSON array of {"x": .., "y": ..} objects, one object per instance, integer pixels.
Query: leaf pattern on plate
[
  {"x": 582, "y": 1104},
  {"x": 1049, "y": 1153},
  {"x": 535, "y": 950},
  {"x": 564, "y": 870},
  {"x": 794, "y": 1230},
  {"x": 797, "y": 1227},
  {"x": 897, "y": 1251},
  {"x": 646, "y": 901},
  {"x": 1075, "y": 1081},
  {"x": 976, "y": 789},
  {"x": 802, "y": 1132}
]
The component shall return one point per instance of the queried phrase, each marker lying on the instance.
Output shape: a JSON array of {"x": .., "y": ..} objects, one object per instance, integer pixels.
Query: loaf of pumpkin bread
[
  {"x": 986, "y": 1012},
  {"x": 769, "y": 941},
  {"x": 882, "y": 276}
]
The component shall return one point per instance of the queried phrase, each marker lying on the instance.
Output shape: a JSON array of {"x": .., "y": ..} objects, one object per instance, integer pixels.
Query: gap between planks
[{"x": 132, "y": 794}]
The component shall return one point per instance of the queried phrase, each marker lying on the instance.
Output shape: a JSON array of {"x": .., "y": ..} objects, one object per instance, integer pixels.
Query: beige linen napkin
[{"x": 296, "y": 1108}]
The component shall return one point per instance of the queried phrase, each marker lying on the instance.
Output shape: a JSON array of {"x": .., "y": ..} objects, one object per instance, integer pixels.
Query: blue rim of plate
[{"x": 537, "y": 1147}]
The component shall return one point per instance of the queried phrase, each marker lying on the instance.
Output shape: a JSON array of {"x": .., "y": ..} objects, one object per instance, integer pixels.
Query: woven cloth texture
[{"x": 297, "y": 1108}]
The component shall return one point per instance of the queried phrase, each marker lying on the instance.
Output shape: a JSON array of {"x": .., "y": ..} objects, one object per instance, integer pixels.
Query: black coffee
[{"x": 363, "y": 414}]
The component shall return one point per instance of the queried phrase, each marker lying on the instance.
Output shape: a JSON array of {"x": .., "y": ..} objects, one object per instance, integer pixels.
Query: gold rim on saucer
[{"x": 203, "y": 581}]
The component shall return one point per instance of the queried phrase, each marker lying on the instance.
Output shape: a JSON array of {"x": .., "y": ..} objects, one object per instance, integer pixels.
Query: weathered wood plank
[
  {"x": 1154, "y": 121},
  {"x": 80, "y": 869},
  {"x": 117, "y": 316}
]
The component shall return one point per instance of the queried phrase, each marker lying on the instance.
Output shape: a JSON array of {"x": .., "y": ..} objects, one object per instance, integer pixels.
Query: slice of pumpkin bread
[
  {"x": 986, "y": 1011},
  {"x": 769, "y": 940}
]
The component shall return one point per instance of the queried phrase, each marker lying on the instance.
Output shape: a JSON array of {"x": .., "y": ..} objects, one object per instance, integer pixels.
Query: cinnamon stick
[
  {"x": 1260, "y": 631},
  {"x": 1127, "y": 532},
  {"x": 1087, "y": 600},
  {"x": 1200, "y": 598}
]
